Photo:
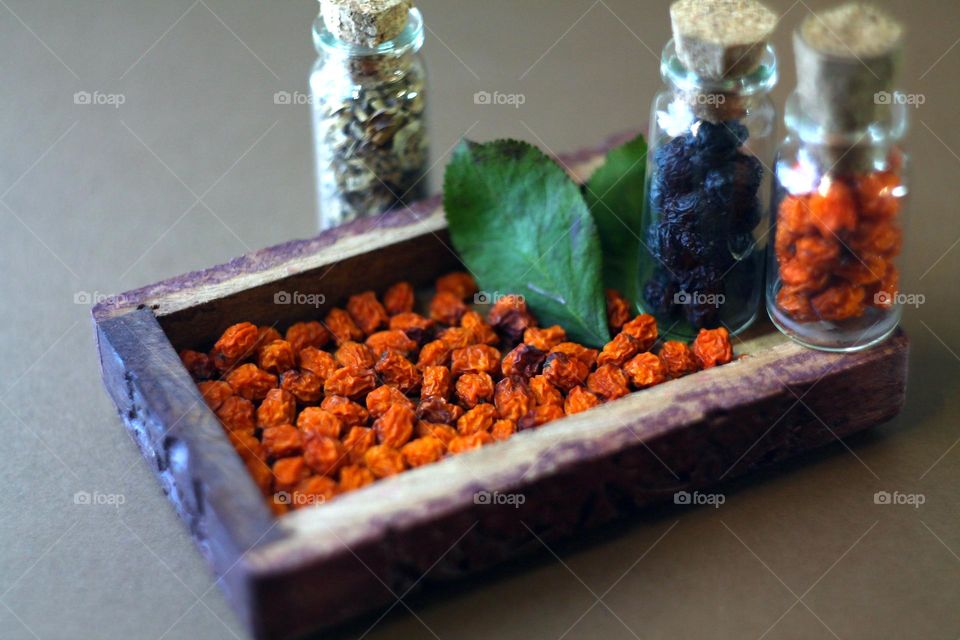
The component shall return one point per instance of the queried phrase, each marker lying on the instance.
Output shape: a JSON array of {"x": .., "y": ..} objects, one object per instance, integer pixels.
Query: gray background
[{"x": 199, "y": 165}]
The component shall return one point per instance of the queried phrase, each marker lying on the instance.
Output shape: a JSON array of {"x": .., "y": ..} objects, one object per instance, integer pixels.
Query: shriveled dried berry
[
  {"x": 355, "y": 477},
  {"x": 678, "y": 359},
  {"x": 314, "y": 421},
  {"x": 580, "y": 399},
  {"x": 197, "y": 364},
  {"x": 305, "y": 386},
  {"x": 350, "y": 413},
  {"x": 384, "y": 461},
  {"x": 437, "y": 382},
  {"x": 434, "y": 354},
  {"x": 619, "y": 350},
  {"x": 267, "y": 334},
  {"x": 584, "y": 354},
  {"x": 276, "y": 357},
  {"x": 447, "y": 308},
  {"x": 513, "y": 398},
  {"x": 342, "y": 326},
  {"x": 237, "y": 414},
  {"x": 423, "y": 451},
  {"x": 474, "y": 388},
  {"x": 357, "y": 441},
  {"x": 395, "y": 427},
  {"x": 457, "y": 337},
  {"x": 350, "y": 383},
  {"x": 644, "y": 329},
  {"x": 459, "y": 283},
  {"x": 238, "y": 343},
  {"x": 565, "y": 372},
  {"x": 396, "y": 370},
  {"x": 546, "y": 338},
  {"x": 712, "y": 347},
  {"x": 251, "y": 382},
  {"x": 839, "y": 302},
  {"x": 618, "y": 310},
  {"x": 477, "y": 358},
  {"x": 354, "y": 354},
  {"x": 307, "y": 334},
  {"x": 438, "y": 411},
  {"x": 609, "y": 382},
  {"x": 460, "y": 444},
  {"x": 482, "y": 332},
  {"x": 399, "y": 298},
  {"x": 214, "y": 392},
  {"x": 510, "y": 318},
  {"x": 324, "y": 455},
  {"x": 279, "y": 407},
  {"x": 409, "y": 321},
  {"x": 540, "y": 415},
  {"x": 480, "y": 418},
  {"x": 503, "y": 429},
  {"x": 288, "y": 472},
  {"x": 320, "y": 363},
  {"x": 367, "y": 311},
  {"x": 280, "y": 442},
  {"x": 645, "y": 370},
  {"x": 544, "y": 392},
  {"x": 442, "y": 432},
  {"x": 523, "y": 360},
  {"x": 392, "y": 340},
  {"x": 382, "y": 398},
  {"x": 313, "y": 491}
]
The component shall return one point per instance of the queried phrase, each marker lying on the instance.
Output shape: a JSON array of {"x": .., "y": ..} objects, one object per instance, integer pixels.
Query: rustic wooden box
[{"x": 321, "y": 566}]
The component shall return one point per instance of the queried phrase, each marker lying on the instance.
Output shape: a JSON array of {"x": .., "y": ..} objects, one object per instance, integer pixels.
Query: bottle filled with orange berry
[{"x": 837, "y": 225}]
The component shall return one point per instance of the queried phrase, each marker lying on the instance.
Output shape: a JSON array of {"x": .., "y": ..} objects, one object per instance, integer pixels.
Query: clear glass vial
[
  {"x": 711, "y": 143},
  {"x": 369, "y": 123}
]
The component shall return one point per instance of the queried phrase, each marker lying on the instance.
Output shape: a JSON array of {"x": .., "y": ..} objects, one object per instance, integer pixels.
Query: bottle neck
[{"x": 393, "y": 57}]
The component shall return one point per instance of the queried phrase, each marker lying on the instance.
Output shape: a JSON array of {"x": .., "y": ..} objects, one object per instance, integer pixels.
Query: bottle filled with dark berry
[{"x": 712, "y": 135}]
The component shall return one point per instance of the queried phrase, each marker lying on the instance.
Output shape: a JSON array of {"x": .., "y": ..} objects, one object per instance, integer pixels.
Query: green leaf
[
  {"x": 521, "y": 226},
  {"x": 615, "y": 196}
]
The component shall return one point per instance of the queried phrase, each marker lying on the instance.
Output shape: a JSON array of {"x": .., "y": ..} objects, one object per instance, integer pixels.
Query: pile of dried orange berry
[{"x": 375, "y": 389}]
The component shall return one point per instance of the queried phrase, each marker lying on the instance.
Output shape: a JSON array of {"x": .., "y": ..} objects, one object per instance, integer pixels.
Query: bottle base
[{"x": 862, "y": 334}]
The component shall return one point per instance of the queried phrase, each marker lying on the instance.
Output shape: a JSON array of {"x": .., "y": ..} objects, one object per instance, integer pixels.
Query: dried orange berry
[
  {"x": 237, "y": 344},
  {"x": 307, "y": 334},
  {"x": 251, "y": 382},
  {"x": 544, "y": 392},
  {"x": 312, "y": 491},
  {"x": 476, "y": 440},
  {"x": 818, "y": 252},
  {"x": 512, "y": 398},
  {"x": 197, "y": 364},
  {"x": 324, "y": 455},
  {"x": 583, "y": 354},
  {"x": 712, "y": 347},
  {"x": 409, "y": 321},
  {"x": 442, "y": 432},
  {"x": 564, "y": 371},
  {"x": 288, "y": 472},
  {"x": 434, "y": 354},
  {"x": 280, "y": 442},
  {"x": 355, "y": 477},
  {"x": 214, "y": 392},
  {"x": 351, "y": 383},
  {"x": 396, "y": 370},
  {"x": 438, "y": 411},
  {"x": 237, "y": 414},
  {"x": 541, "y": 415},
  {"x": 393, "y": 340},
  {"x": 793, "y": 216},
  {"x": 803, "y": 276},
  {"x": 480, "y": 418},
  {"x": 795, "y": 302},
  {"x": 546, "y": 338},
  {"x": 580, "y": 399},
  {"x": 881, "y": 237},
  {"x": 678, "y": 359},
  {"x": 459, "y": 283},
  {"x": 276, "y": 357},
  {"x": 609, "y": 382},
  {"x": 246, "y": 445},
  {"x": 382, "y": 398},
  {"x": 510, "y": 318},
  {"x": 399, "y": 298},
  {"x": 320, "y": 363},
  {"x": 503, "y": 429},
  {"x": 865, "y": 269},
  {"x": 877, "y": 193},
  {"x": 342, "y": 326},
  {"x": 354, "y": 354},
  {"x": 266, "y": 335},
  {"x": 482, "y": 332},
  {"x": 279, "y": 407},
  {"x": 644, "y": 329},
  {"x": 474, "y": 388},
  {"x": 350, "y": 413},
  {"x": 357, "y": 441},
  {"x": 616, "y": 352},
  {"x": 645, "y": 370},
  {"x": 367, "y": 311},
  {"x": 618, "y": 310},
  {"x": 834, "y": 211},
  {"x": 477, "y": 358},
  {"x": 422, "y": 451},
  {"x": 384, "y": 461},
  {"x": 305, "y": 386},
  {"x": 395, "y": 427},
  {"x": 437, "y": 382},
  {"x": 447, "y": 308},
  {"x": 840, "y": 302},
  {"x": 524, "y": 360},
  {"x": 457, "y": 337},
  {"x": 314, "y": 421}
]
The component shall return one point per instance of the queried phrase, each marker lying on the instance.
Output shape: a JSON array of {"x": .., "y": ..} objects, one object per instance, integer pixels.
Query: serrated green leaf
[
  {"x": 615, "y": 196},
  {"x": 521, "y": 226}
]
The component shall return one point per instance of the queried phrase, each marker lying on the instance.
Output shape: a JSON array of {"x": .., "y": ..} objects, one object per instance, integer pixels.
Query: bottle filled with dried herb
[
  {"x": 833, "y": 275},
  {"x": 712, "y": 135},
  {"x": 368, "y": 101}
]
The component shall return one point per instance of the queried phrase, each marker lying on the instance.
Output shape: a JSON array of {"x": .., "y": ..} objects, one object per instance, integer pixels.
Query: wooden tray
[{"x": 322, "y": 566}]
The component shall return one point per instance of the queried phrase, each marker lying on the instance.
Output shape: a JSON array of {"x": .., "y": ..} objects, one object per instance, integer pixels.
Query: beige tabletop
[{"x": 183, "y": 160}]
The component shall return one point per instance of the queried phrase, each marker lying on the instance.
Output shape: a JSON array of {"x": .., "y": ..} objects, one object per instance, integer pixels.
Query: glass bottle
[
  {"x": 711, "y": 143},
  {"x": 833, "y": 271},
  {"x": 369, "y": 123}
]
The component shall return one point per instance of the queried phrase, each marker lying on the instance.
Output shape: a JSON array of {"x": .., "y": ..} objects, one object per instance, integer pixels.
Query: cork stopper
[
  {"x": 367, "y": 23},
  {"x": 846, "y": 58},
  {"x": 721, "y": 39}
]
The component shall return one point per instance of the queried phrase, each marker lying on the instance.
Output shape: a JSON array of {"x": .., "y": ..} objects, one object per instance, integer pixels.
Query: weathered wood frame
[{"x": 322, "y": 566}]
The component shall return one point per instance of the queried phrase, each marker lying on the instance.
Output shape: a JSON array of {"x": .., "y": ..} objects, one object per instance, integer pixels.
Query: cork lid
[
  {"x": 721, "y": 39},
  {"x": 367, "y": 23}
]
